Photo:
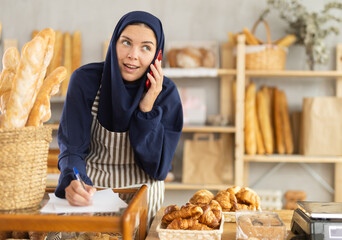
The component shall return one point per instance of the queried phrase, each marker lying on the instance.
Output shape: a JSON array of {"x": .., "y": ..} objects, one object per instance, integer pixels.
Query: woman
[{"x": 114, "y": 130}]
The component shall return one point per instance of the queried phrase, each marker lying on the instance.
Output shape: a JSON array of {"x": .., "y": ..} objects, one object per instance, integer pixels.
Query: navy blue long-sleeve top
[{"x": 153, "y": 135}]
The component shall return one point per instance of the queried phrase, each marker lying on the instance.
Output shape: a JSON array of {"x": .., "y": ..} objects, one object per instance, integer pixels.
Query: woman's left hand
[{"x": 146, "y": 103}]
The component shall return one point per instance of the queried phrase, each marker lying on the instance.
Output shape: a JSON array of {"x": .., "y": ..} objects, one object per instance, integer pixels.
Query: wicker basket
[
  {"x": 168, "y": 234},
  {"x": 23, "y": 166},
  {"x": 265, "y": 56}
]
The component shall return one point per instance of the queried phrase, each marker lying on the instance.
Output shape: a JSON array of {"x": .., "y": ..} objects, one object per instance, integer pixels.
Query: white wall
[{"x": 183, "y": 20}]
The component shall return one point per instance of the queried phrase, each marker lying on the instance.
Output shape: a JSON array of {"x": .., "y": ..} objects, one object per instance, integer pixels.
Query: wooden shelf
[
  {"x": 182, "y": 186},
  {"x": 283, "y": 73},
  {"x": 54, "y": 126},
  {"x": 292, "y": 158},
  {"x": 206, "y": 129}
]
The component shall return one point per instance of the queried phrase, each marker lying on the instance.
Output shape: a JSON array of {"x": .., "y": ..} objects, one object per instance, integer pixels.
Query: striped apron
[{"x": 111, "y": 164}]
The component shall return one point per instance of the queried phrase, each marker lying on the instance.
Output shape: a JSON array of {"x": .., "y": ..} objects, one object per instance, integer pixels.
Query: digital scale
[{"x": 317, "y": 220}]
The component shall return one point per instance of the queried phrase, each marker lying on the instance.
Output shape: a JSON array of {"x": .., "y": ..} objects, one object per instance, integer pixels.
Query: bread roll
[
  {"x": 265, "y": 122},
  {"x": 250, "y": 135},
  {"x": 25, "y": 84},
  {"x": 278, "y": 122},
  {"x": 10, "y": 63},
  {"x": 76, "y": 50},
  {"x": 189, "y": 57},
  {"x": 41, "y": 111},
  {"x": 56, "y": 60},
  {"x": 67, "y": 62},
  {"x": 288, "y": 139}
]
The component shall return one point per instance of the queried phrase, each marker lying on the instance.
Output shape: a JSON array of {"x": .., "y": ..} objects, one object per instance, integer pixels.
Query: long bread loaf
[
  {"x": 67, "y": 62},
  {"x": 76, "y": 50},
  {"x": 10, "y": 63},
  {"x": 288, "y": 139},
  {"x": 265, "y": 122},
  {"x": 250, "y": 135},
  {"x": 56, "y": 60},
  {"x": 25, "y": 84},
  {"x": 41, "y": 111},
  {"x": 278, "y": 125}
]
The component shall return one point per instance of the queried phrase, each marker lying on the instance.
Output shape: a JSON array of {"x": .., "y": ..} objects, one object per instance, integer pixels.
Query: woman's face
[{"x": 135, "y": 50}]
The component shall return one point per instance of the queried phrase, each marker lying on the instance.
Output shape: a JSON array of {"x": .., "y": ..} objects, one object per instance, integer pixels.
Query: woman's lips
[{"x": 130, "y": 67}]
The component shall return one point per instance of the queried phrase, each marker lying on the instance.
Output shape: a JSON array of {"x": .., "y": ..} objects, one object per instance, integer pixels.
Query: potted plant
[{"x": 310, "y": 28}]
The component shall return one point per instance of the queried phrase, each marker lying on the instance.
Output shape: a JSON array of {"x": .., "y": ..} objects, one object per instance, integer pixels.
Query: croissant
[
  {"x": 223, "y": 198},
  {"x": 171, "y": 208},
  {"x": 208, "y": 217},
  {"x": 248, "y": 196},
  {"x": 202, "y": 198},
  {"x": 216, "y": 209},
  {"x": 187, "y": 211}
]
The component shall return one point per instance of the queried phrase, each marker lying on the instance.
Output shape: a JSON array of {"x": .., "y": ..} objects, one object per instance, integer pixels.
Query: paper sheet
[{"x": 103, "y": 201}]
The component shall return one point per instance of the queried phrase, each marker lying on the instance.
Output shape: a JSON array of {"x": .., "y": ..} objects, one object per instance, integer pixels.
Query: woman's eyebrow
[
  {"x": 129, "y": 39},
  {"x": 148, "y": 42}
]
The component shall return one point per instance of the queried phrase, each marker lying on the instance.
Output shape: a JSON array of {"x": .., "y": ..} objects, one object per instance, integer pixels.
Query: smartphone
[{"x": 159, "y": 57}]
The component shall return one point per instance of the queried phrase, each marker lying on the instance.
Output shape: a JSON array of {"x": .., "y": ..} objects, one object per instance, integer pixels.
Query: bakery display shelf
[
  {"x": 54, "y": 126},
  {"x": 123, "y": 222},
  {"x": 293, "y": 73},
  {"x": 209, "y": 129},
  {"x": 295, "y": 158},
  {"x": 183, "y": 186}
]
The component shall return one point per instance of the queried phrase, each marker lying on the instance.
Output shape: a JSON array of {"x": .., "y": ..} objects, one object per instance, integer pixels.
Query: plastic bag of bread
[{"x": 259, "y": 225}]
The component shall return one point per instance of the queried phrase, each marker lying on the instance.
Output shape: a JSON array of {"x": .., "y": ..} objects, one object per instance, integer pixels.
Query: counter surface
[{"x": 229, "y": 229}]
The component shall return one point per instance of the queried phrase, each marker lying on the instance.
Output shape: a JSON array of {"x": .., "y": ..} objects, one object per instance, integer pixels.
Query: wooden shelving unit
[{"x": 241, "y": 161}]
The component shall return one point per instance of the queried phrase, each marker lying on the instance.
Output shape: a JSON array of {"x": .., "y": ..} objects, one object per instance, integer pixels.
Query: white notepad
[{"x": 103, "y": 201}]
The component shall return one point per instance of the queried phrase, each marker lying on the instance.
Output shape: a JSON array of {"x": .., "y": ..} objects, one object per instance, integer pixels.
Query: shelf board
[
  {"x": 294, "y": 73},
  {"x": 209, "y": 129},
  {"x": 54, "y": 126},
  {"x": 190, "y": 72},
  {"x": 292, "y": 158},
  {"x": 183, "y": 186}
]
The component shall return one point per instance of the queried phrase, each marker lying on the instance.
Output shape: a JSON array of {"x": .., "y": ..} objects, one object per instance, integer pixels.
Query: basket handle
[{"x": 268, "y": 31}]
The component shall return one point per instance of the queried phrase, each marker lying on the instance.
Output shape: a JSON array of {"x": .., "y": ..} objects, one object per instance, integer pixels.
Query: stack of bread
[
  {"x": 201, "y": 213},
  {"x": 191, "y": 57},
  {"x": 67, "y": 53},
  {"x": 267, "y": 121},
  {"x": 25, "y": 90}
]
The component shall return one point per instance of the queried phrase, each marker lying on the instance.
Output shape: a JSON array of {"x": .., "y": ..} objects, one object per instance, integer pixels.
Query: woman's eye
[
  {"x": 147, "y": 48},
  {"x": 125, "y": 42}
]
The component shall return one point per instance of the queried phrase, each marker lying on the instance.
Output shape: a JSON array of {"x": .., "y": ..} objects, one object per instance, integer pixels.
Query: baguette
[
  {"x": 288, "y": 139},
  {"x": 250, "y": 135},
  {"x": 56, "y": 60},
  {"x": 48, "y": 34},
  {"x": 24, "y": 84},
  {"x": 76, "y": 50},
  {"x": 67, "y": 62},
  {"x": 265, "y": 122},
  {"x": 41, "y": 111},
  {"x": 258, "y": 135},
  {"x": 250, "y": 38},
  {"x": 286, "y": 41},
  {"x": 278, "y": 122},
  {"x": 10, "y": 63}
]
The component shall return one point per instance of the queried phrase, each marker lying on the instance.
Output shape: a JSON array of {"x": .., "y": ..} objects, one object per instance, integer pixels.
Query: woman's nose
[{"x": 133, "y": 53}]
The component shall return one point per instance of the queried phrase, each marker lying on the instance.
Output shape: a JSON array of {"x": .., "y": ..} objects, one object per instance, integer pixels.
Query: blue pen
[{"x": 78, "y": 177}]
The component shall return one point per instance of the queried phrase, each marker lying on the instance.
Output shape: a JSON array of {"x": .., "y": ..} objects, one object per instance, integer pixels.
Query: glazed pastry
[
  {"x": 10, "y": 63},
  {"x": 41, "y": 111},
  {"x": 208, "y": 217},
  {"x": 184, "y": 224},
  {"x": 170, "y": 209},
  {"x": 249, "y": 197}
]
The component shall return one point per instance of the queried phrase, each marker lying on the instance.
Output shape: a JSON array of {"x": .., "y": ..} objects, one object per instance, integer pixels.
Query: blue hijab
[{"x": 114, "y": 96}]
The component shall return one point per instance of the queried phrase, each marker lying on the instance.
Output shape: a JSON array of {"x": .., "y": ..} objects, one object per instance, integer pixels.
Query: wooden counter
[
  {"x": 123, "y": 222},
  {"x": 229, "y": 229}
]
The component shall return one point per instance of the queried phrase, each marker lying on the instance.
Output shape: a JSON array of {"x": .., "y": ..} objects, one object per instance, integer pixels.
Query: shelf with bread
[{"x": 242, "y": 159}]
